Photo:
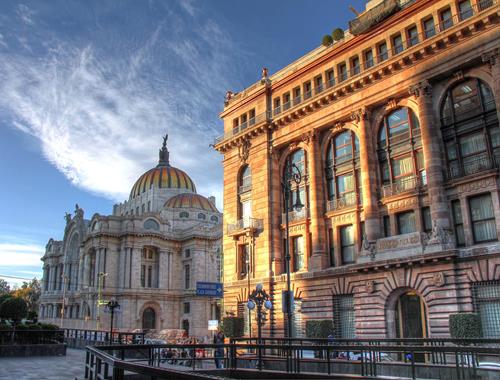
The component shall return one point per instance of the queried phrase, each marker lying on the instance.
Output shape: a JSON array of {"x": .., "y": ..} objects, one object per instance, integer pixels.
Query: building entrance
[
  {"x": 149, "y": 319},
  {"x": 411, "y": 316}
]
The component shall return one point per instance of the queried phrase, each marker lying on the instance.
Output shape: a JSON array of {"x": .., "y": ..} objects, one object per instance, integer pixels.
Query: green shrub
[
  {"x": 46, "y": 326},
  {"x": 337, "y": 34},
  {"x": 327, "y": 40},
  {"x": 233, "y": 327},
  {"x": 14, "y": 309},
  {"x": 465, "y": 326},
  {"x": 319, "y": 328}
]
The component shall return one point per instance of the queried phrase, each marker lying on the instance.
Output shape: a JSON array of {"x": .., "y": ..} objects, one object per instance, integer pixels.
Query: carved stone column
[
  {"x": 319, "y": 257},
  {"x": 492, "y": 58},
  {"x": 368, "y": 178},
  {"x": 432, "y": 156}
]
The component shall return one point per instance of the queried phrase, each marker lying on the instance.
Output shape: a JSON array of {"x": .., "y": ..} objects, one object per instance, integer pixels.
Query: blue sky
[{"x": 87, "y": 88}]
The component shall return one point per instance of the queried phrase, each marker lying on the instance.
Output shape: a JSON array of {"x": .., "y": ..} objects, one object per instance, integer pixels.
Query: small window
[
  {"x": 286, "y": 101},
  {"x": 243, "y": 260},
  {"x": 236, "y": 123},
  {"x": 465, "y": 9},
  {"x": 347, "y": 244},
  {"x": 137, "y": 210},
  {"x": 406, "y": 222},
  {"x": 187, "y": 307},
  {"x": 149, "y": 206},
  {"x": 330, "y": 78},
  {"x": 331, "y": 246},
  {"x": 202, "y": 216},
  {"x": 307, "y": 90},
  {"x": 187, "y": 277},
  {"x": 382, "y": 52},
  {"x": 343, "y": 317},
  {"x": 369, "y": 59},
  {"x": 397, "y": 44},
  {"x": 277, "y": 106},
  {"x": 151, "y": 224},
  {"x": 355, "y": 65},
  {"x": 251, "y": 117},
  {"x": 486, "y": 297},
  {"x": 429, "y": 28},
  {"x": 187, "y": 253},
  {"x": 426, "y": 219},
  {"x": 298, "y": 253},
  {"x": 458, "y": 223},
  {"x": 214, "y": 218},
  {"x": 483, "y": 219},
  {"x": 244, "y": 120},
  {"x": 318, "y": 84},
  {"x": 296, "y": 96},
  {"x": 342, "y": 70},
  {"x": 446, "y": 19},
  {"x": 412, "y": 34},
  {"x": 143, "y": 208},
  {"x": 183, "y": 214}
]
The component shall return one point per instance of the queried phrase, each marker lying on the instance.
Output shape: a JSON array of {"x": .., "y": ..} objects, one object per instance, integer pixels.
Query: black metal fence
[
  {"x": 80, "y": 338},
  {"x": 413, "y": 358}
]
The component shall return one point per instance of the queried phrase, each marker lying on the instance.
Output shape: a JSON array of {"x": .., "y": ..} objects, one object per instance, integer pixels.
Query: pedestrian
[{"x": 219, "y": 351}]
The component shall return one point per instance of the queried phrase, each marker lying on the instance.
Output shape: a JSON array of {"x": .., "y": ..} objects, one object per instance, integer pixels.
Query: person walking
[{"x": 219, "y": 351}]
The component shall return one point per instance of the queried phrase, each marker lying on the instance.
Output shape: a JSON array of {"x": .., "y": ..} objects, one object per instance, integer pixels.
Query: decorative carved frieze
[
  {"x": 402, "y": 203},
  {"x": 491, "y": 57},
  {"x": 344, "y": 218},
  {"x": 438, "y": 279},
  {"x": 477, "y": 185},
  {"x": 419, "y": 89},
  {"x": 244, "y": 150}
]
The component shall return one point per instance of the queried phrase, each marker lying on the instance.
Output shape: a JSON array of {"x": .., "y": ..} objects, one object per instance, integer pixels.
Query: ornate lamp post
[
  {"x": 259, "y": 298},
  {"x": 291, "y": 176},
  {"x": 111, "y": 306}
]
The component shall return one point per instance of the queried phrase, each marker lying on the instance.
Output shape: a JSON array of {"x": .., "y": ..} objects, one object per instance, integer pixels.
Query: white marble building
[{"x": 148, "y": 255}]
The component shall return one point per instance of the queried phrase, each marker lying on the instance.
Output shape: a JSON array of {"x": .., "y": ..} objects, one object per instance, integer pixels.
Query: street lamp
[
  {"x": 259, "y": 298},
  {"x": 291, "y": 176},
  {"x": 111, "y": 306},
  {"x": 99, "y": 297}
]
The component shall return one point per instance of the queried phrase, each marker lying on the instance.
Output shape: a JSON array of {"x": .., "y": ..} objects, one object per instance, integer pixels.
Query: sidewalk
[{"x": 69, "y": 367}]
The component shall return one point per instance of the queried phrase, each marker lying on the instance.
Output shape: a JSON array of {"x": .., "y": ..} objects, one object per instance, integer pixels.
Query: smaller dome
[{"x": 188, "y": 200}]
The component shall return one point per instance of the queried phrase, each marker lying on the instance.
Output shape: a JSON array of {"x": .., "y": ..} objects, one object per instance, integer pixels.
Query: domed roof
[
  {"x": 190, "y": 201},
  {"x": 163, "y": 176}
]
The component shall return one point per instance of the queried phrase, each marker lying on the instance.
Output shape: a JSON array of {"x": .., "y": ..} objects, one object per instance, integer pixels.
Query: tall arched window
[
  {"x": 245, "y": 196},
  {"x": 400, "y": 152},
  {"x": 149, "y": 319},
  {"x": 470, "y": 131},
  {"x": 342, "y": 171},
  {"x": 149, "y": 267}
]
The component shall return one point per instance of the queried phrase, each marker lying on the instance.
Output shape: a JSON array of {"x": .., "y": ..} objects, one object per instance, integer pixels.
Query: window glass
[
  {"x": 343, "y": 146},
  {"x": 446, "y": 19},
  {"x": 412, "y": 36},
  {"x": 382, "y": 52},
  {"x": 387, "y": 225},
  {"x": 347, "y": 244},
  {"x": 298, "y": 252},
  {"x": 406, "y": 222},
  {"x": 402, "y": 166},
  {"x": 368, "y": 59},
  {"x": 429, "y": 29},
  {"x": 397, "y": 44},
  {"x": 458, "y": 222},
  {"x": 426, "y": 219},
  {"x": 483, "y": 218},
  {"x": 344, "y": 321},
  {"x": 486, "y": 296},
  {"x": 465, "y": 9}
]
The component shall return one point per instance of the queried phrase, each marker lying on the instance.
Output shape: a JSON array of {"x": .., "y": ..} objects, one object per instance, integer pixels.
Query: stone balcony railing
[
  {"x": 401, "y": 186},
  {"x": 245, "y": 224}
]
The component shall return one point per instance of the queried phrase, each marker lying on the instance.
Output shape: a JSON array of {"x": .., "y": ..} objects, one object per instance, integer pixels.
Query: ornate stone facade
[
  {"x": 148, "y": 255},
  {"x": 402, "y": 208}
]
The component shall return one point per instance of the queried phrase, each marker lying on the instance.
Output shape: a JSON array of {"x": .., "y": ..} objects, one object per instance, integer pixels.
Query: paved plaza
[{"x": 67, "y": 367}]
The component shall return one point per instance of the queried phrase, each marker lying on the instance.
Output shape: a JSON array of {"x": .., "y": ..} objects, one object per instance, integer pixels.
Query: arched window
[
  {"x": 202, "y": 216},
  {"x": 149, "y": 319},
  {"x": 245, "y": 180},
  {"x": 183, "y": 214},
  {"x": 400, "y": 154},
  {"x": 470, "y": 131},
  {"x": 342, "y": 171},
  {"x": 151, "y": 224}
]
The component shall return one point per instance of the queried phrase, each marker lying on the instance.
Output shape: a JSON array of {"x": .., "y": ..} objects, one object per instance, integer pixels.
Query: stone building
[
  {"x": 148, "y": 255},
  {"x": 395, "y": 132}
]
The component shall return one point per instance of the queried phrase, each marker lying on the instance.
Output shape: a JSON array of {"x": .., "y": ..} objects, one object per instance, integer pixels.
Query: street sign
[
  {"x": 213, "y": 325},
  {"x": 209, "y": 289}
]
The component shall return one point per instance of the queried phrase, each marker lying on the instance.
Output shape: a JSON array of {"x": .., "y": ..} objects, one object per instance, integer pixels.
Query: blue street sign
[{"x": 209, "y": 289}]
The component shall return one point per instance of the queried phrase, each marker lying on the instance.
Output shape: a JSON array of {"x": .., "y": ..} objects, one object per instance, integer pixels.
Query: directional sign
[{"x": 209, "y": 289}]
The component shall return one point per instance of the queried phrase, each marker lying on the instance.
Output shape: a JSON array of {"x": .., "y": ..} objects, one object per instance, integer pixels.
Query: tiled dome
[
  {"x": 190, "y": 201},
  {"x": 163, "y": 176}
]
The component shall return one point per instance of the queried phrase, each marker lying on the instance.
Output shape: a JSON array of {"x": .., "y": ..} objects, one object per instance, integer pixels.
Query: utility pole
[{"x": 65, "y": 285}]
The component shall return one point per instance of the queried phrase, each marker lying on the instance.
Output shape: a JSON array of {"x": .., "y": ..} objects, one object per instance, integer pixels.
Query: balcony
[
  {"x": 294, "y": 216},
  {"x": 346, "y": 200},
  {"x": 244, "y": 225},
  {"x": 264, "y": 116},
  {"x": 403, "y": 185},
  {"x": 472, "y": 166}
]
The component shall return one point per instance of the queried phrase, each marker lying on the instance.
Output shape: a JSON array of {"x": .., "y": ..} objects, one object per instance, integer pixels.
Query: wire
[{"x": 17, "y": 278}]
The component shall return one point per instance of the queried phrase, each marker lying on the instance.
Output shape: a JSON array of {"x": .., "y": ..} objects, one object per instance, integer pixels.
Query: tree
[
  {"x": 327, "y": 40},
  {"x": 30, "y": 293},
  {"x": 4, "y": 287},
  {"x": 337, "y": 34},
  {"x": 14, "y": 309}
]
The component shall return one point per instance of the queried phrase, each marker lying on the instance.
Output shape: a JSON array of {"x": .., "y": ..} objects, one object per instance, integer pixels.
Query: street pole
[
  {"x": 65, "y": 283},
  {"x": 259, "y": 298},
  {"x": 99, "y": 298}
]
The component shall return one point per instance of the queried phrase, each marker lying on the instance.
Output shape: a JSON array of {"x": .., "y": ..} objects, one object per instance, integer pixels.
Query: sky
[{"x": 88, "y": 88}]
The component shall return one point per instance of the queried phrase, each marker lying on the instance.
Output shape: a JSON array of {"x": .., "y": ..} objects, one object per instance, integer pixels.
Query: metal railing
[
  {"x": 457, "y": 359},
  {"x": 75, "y": 336},
  {"x": 472, "y": 166},
  {"x": 345, "y": 200},
  {"x": 244, "y": 224},
  {"x": 378, "y": 59},
  {"x": 241, "y": 128},
  {"x": 400, "y": 186},
  {"x": 295, "y": 215}
]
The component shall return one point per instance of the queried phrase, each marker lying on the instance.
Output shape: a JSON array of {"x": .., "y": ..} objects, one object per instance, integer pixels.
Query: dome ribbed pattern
[
  {"x": 162, "y": 177},
  {"x": 190, "y": 201}
]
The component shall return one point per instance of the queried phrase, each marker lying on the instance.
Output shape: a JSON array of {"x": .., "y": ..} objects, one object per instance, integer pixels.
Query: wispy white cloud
[
  {"x": 20, "y": 255},
  {"x": 25, "y": 14},
  {"x": 99, "y": 116}
]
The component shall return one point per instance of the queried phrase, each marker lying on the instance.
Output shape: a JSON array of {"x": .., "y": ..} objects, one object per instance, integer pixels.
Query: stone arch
[
  {"x": 390, "y": 309},
  {"x": 332, "y": 132},
  {"x": 292, "y": 147},
  {"x": 154, "y": 306}
]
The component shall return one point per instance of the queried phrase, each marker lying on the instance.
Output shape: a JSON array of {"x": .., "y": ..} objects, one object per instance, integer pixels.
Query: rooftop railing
[{"x": 377, "y": 60}]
